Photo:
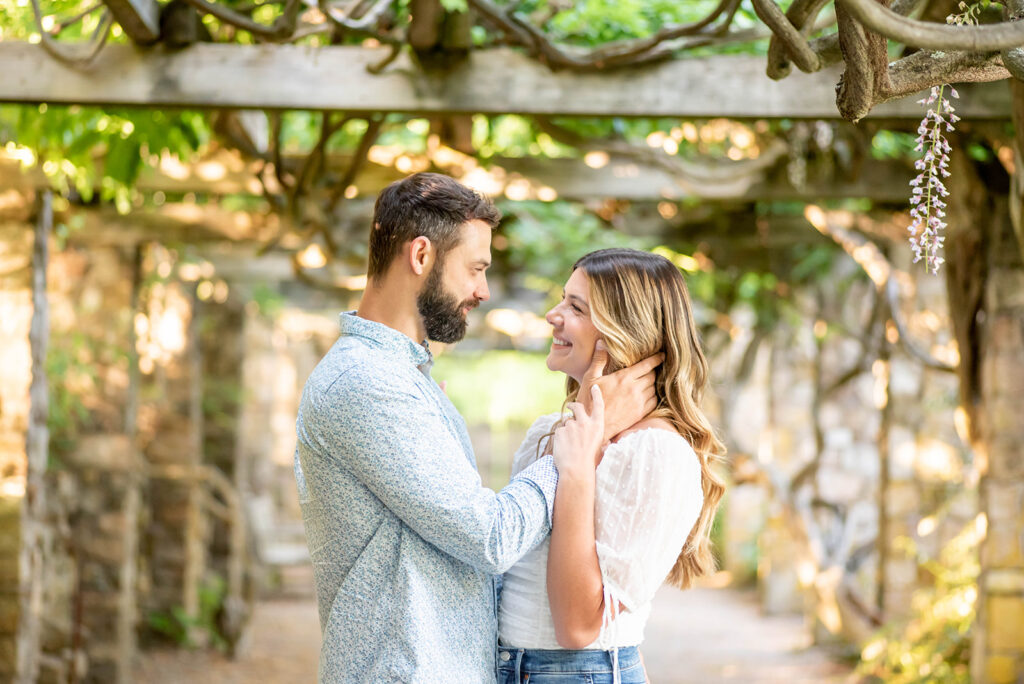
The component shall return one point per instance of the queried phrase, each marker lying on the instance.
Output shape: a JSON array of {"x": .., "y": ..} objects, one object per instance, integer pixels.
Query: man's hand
[{"x": 628, "y": 393}]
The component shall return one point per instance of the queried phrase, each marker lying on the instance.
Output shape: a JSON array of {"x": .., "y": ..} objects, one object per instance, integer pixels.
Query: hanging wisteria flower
[{"x": 928, "y": 209}]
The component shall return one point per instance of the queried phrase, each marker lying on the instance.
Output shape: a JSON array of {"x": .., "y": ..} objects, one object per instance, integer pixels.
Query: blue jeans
[{"x": 539, "y": 666}]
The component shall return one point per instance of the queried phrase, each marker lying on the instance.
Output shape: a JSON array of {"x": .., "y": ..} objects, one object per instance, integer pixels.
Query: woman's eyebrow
[{"x": 577, "y": 298}]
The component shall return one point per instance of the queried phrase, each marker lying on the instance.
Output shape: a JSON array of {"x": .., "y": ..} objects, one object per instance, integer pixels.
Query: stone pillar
[
  {"x": 172, "y": 444},
  {"x": 15, "y": 377},
  {"x": 105, "y": 533},
  {"x": 998, "y": 656}
]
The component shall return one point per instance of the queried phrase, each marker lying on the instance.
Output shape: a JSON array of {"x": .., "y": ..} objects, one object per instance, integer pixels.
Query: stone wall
[{"x": 849, "y": 467}]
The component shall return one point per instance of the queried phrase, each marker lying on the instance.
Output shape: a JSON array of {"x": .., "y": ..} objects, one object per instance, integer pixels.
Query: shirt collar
[{"x": 386, "y": 338}]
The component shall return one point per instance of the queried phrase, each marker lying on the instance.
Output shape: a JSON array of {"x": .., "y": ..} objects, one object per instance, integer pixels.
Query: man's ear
[{"x": 421, "y": 255}]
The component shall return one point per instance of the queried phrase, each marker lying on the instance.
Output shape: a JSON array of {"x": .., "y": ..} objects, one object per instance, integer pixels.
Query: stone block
[
  {"x": 9, "y": 570},
  {"x": 1006, "y": 334},
  {"x": 1005, "y": 417},
  {"x": 8, "y": 657},
  {"x": 840, "y": 486},
  {"x": 106, "y": 453},
  {"x": 1005, "y": 371},
  {"x": 103, "y": 548},
  {"x": 1002, "y": 548},
  {"x": 1001, "y": 669},
  {"x": 115, "y": 523},
  {"x": 900, "y": 574},
  {"x": 1005, "y": 581},
  {"x": 904, "y": 377},
  {"x": 1006, "y": 456},
  {"x": 1005, "y": 501},
  {"x": 902, "y": 452},
  {"x": 9, "y": 612},
  {"x": 937, "y": 461},
  {"x": 10, "y": 509},
  {"x": 1006, "y": 289},
  {"x": 1005, "y": 623},
  {"x": 901, "y": 499}
]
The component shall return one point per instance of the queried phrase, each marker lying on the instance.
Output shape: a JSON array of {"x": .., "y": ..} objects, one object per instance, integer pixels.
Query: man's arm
[{"x": 397, "y": 444}]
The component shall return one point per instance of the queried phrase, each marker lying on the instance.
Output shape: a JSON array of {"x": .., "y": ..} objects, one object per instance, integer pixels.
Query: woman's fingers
[
  {"x": 577, "y": 409},
  {"x": 597, "y": 402}
]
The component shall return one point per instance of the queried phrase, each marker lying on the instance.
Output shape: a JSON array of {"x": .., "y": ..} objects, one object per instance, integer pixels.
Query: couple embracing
[{"x": 424, "y": 575}]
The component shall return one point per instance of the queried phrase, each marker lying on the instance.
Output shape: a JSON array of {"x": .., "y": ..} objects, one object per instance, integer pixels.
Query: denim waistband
[{"x": 536, "y": 660}]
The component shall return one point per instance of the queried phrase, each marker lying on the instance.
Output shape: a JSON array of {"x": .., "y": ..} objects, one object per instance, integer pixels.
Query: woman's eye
[{"x": 576, "y": 308}]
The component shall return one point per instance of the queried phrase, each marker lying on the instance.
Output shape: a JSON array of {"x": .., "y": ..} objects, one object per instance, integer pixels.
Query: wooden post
[
  {"x": 195, "y": 534},
  {"x": 128, "y": 575},
  {"x": 37, "y": 445}
]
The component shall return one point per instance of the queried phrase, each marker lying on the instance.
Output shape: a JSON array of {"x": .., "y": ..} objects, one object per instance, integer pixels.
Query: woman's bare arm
[{"x": 575, "y": 586}]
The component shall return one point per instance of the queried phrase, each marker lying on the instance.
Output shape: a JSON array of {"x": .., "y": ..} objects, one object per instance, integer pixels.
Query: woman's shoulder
[
  {"x": 654, "y": 438},
  {"x": 544, "y": 424}
]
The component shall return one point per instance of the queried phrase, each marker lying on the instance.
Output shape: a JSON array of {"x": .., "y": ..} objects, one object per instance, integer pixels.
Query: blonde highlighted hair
[{"x": 640, "y": 305}]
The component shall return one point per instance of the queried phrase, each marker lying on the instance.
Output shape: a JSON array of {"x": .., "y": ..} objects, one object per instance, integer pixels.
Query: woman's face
[{"x": 574, "y": 334}]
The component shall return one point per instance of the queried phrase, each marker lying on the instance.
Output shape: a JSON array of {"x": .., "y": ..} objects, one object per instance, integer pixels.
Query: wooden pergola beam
[
  {"x": 226, "y": 173},
  {"x": 499, "y": 81}
]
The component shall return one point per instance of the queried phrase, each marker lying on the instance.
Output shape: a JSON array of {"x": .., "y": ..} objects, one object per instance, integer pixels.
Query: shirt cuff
[{"x": 544, "y": 476}]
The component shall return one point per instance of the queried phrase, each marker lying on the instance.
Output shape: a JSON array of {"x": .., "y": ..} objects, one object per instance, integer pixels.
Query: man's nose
[{"x": 483, "y": 293}]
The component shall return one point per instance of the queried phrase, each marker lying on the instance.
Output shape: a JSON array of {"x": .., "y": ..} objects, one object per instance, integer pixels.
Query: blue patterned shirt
[{"x": 405, "y": 541}]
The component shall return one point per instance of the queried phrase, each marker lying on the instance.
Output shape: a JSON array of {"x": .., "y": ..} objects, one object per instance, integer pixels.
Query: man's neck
[{"x": 390, "y": 305}]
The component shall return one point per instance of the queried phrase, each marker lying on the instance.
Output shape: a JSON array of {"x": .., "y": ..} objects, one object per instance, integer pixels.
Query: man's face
[{"x": 456, "y": 284}]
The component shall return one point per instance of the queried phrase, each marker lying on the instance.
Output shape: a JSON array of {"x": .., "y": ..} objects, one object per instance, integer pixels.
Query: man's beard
[{"x": 441, "y": 312}]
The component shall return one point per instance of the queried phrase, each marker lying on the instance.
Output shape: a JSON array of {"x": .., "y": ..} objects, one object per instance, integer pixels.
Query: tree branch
[
  {"x": 691, "y": 173},
  {"x": 282, "y": 28},
  {"x": 925, "y": 34},
  {"x": 800, "y": 14},
  {"x": 617, "y": 54},
  {"x": 793, "y": 41},
  {"x": 869, "y": 257},
  {"x": 867, "y": 71},
  {"x": 925, "y": 69},
  {"x": 74, "y": 55}
]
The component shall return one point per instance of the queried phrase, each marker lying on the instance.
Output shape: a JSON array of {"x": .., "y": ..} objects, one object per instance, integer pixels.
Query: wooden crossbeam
[
  {"x": 226, "y": 173},
  {"x": 490, "y": 82}
]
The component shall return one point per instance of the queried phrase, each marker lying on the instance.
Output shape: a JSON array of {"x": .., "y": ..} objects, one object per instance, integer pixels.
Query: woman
[{"x": 627, "y": 514}]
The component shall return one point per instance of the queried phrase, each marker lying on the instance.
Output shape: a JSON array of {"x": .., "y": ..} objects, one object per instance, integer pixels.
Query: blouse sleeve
[
  {"x": 527, "y": 451},
  {"x": 648, "y": 499}
]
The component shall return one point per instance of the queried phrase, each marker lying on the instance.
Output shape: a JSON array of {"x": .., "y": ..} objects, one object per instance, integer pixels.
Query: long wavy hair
[{"x": 640, "y": 305}]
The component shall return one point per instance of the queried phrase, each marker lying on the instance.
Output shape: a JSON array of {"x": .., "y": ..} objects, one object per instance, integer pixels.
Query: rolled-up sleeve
[{"x": 397, "y": 443}]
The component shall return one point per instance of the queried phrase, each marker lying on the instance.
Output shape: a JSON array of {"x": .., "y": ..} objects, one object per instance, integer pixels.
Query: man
[{"x": 405, "y": 541}]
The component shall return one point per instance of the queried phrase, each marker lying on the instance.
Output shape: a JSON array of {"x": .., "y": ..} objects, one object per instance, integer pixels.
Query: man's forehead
[{"x": 475, "y": 239}]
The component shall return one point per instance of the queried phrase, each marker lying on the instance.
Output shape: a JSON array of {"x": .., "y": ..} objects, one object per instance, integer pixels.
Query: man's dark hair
[{"x": 428, "y": 204}]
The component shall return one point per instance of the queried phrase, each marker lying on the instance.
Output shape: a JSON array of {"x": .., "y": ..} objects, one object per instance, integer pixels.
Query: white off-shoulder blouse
[{"x": 648, "y": 499}]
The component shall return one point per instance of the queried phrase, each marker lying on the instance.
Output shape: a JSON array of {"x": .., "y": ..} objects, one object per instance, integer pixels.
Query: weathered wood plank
[
  {"x": 225, "y": 173},
  {"x": 489, "y": 82},
  {"x": 140, "y": 19}
]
